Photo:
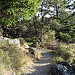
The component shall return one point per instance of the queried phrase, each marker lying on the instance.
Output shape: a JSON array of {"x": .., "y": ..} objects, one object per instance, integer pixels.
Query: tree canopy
[
  {"x": 57, "y": 15},
  {"x": 13, "y": 11}
]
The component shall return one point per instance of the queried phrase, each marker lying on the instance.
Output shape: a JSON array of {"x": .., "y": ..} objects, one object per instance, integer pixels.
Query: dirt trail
[{"x": 42, "y": 66}]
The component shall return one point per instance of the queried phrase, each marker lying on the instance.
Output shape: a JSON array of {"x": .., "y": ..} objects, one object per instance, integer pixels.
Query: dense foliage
[
  {"x": 23, "y": 21},
  {"x": 13, "y": 11}
]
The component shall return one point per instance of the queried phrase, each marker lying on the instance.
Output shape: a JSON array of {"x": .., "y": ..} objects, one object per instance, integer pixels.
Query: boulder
[
  {"x": 61, "y": 68},
  {"x": 16, "y": 42}
]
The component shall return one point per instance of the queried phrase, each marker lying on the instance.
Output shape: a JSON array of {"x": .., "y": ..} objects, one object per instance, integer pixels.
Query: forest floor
[{"x": 42, "y": 67}]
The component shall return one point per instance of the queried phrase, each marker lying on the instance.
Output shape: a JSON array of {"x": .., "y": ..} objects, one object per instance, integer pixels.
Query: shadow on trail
[
  {"x": 42, "y": 67},
  {"x": 42, "y": 70},
  {"x": 46, "y": 58}
]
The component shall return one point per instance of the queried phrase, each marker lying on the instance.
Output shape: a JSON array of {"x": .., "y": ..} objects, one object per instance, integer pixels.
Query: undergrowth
[
  {"x": 65, "y": 52},
  {"x": 12, "y": 59}
]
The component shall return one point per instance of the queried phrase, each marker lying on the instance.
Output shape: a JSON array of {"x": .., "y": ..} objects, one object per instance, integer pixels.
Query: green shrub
[
  {"x": 49, "y": 36},
  {"x": 65, "y": 37},
  {"x": 66, "y": 52}
]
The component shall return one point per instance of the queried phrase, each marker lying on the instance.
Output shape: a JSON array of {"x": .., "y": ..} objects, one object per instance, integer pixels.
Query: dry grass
[
  {"x": 38, "y": 55},
  {"x": 53, "y": 45},
  {"x": 12, "y": 56}
]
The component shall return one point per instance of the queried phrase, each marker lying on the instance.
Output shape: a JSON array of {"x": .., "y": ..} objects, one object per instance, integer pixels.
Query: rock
[
  {"x": 61, "y": 68},
  {"x": 16, "y": 42},
  {"x": 3, "y": 39}
]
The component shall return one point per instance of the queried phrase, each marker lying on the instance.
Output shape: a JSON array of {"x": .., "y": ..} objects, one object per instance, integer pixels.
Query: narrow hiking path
[{"x": 42, "y": 67}]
